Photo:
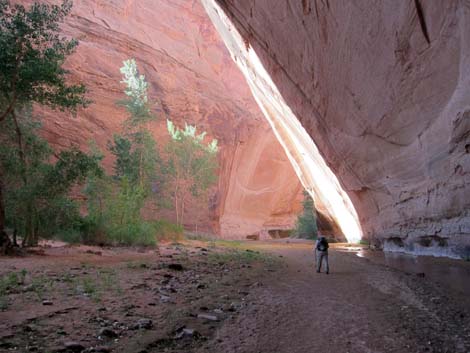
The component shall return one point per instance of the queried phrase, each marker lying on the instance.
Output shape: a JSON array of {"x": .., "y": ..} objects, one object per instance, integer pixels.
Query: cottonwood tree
[
  {"x": 115, "y": 203},
  {"x": 306, "y": 225},
  {"x": 38, "y": 182},
  {"x": 31, "y": 57},
  {"x": 135, "y": 150},
  {"x": 192, "y": 166}
]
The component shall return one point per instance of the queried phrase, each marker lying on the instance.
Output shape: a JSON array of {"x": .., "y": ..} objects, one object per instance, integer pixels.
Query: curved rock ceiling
[{"x": 383, "y": 90}]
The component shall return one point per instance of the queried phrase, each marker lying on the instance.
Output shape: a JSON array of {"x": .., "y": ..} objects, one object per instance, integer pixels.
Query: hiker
[{"x": 321, "y": 251}]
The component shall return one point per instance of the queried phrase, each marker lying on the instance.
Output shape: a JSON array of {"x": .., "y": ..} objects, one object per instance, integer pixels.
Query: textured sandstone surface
[
  {"x": 192, "y": 79},
  {"x": 383, "y": 90}
]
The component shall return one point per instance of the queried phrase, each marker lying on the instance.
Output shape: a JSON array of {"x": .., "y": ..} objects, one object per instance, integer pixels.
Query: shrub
[
  {"x": 306, "y": 225},
  {"x": 139, "y": 233},
  {"x": 168, "y": 231}
]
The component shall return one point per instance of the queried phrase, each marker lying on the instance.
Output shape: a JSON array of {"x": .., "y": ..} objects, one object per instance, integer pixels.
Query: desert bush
[{"x": 168, "y": 231}]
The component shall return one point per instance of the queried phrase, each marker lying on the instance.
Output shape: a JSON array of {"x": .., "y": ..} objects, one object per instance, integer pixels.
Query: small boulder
[
  {"x": 142, "y": 324},
  {"x": 74, "y": 347},
  {"x": 175, "y": 267},
  {"x": 107, "y": 332},
  {"x": 208, "y": 317},
  {"x": 187, "y": 333}
]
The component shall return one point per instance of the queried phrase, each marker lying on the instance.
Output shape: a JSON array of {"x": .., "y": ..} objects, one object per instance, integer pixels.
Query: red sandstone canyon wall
[
  {"x": 383, "y": 89},
  {"x": 192, "y": 79}
]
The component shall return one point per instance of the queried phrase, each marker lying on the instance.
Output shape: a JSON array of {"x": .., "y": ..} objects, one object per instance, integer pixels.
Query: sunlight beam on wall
[{"x": 309, "y": 165}]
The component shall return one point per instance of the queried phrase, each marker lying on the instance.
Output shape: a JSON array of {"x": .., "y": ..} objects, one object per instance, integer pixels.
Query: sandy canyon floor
[{"x": 215, "y": 296}]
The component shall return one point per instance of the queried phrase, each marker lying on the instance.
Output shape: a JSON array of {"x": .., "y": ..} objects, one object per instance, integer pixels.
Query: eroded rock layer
[
  {"x": 383, "y": 90},
  {"x": 192, "y": 79}
]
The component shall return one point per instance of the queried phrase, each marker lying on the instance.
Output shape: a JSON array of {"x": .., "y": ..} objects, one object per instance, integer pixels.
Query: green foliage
[
  {"x": 136, "y": 158},
  {"x": 136, "y": 91},
  {"x": 115, "y": 203},
  {"x": 168, "y": 231},
  {"x": 10, "y": 282},
  {"x": 136, "y": 154},
  {"x": 31, "y": 56},
  {"x": 114, "y": 213},
  {"x": 38, "y": 182},
  {"x": 240, "y": 256},
  {"x": 192, "y": 166},
  {"x": 306, "y": 226}
]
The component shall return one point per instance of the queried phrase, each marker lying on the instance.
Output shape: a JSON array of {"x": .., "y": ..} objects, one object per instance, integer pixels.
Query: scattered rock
[
  {"x": 61, "y": 332},
  {"x": 28, "y": 288},
  {"x": 28, "y": 328},
  {"x": 208, "y": 317},
  {"x": 107, "y": 332},
  {"x": 165, "y": 299},
  {"x": 234, "y": 306},
  {"x": 47, "y": 302},
  {"x": 142, "y": 324},
  {"x": 175, "y": 267},
  {"x": 74, "y": 347},
  {"x": 99, "y": 349},
  {"x": 187, "y": 333}
]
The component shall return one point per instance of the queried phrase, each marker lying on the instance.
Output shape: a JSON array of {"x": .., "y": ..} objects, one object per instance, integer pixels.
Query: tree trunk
[
  {"x": 182, "y": 211},
  {"x": 6, "y": 246},
  {"x": 176, "y": 204},
  {"x": 15, "y": 237}
]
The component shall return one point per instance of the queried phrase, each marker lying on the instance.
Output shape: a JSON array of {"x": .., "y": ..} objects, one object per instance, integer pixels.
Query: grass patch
[
  {"x": 136, "y": 265},
  {"x": 240, "y": 256},
  {"x": 9, "y": 283},
  {"x": 230, "y": 244},
  {"x": 97, "y": 284}
]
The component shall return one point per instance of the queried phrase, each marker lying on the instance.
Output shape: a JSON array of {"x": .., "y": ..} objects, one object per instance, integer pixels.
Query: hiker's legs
[
  {"x": 319, "y": 260},
  {"x": 325, "y": 256}
]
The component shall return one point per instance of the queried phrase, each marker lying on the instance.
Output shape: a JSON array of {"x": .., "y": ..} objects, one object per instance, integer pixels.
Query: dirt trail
[{"x": 360, "y": 306}]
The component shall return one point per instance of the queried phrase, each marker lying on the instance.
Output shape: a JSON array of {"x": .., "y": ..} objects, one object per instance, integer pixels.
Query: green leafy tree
[
  {"x": 115, "y": 203},
  {"x": 306, "y": 226},
  {"x": 38, "y": 182},
  {"x": 136, "y": 154},
  {"x": 192, "y": 166},
  {"x": 31, "y": 57}
]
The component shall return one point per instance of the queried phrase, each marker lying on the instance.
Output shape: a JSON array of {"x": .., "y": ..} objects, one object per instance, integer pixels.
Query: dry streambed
[{"x": 171, "y": 300}]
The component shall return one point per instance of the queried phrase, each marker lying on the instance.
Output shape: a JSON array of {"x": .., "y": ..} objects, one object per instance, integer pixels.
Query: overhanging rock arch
[{"x": 305, "y": 157}]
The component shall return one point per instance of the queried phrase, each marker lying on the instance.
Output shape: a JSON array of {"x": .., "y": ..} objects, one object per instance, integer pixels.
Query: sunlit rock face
[
  {"x": 192, "y": 79},
  {"x": 383, "y": 90}
]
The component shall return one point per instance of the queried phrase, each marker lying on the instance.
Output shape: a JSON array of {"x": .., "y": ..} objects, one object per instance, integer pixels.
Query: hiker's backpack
[{"x": 322, "y": 245}]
